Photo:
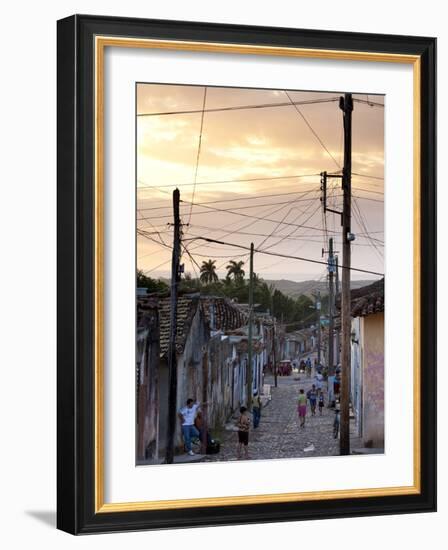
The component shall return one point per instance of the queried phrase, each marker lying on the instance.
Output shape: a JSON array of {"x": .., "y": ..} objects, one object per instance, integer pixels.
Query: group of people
[
  {"x": 193, "y": 425},
  {"x": 315, "y": 396},
  {"x": 303, "y": 366}
]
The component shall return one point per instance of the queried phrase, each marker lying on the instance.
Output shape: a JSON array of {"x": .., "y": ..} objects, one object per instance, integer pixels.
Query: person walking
[
  {"x": 337, "y": 421},
  {"x": 301, "y": 407},
  {"x": 256, "y": 409},
  {"x": 321, "y": 403},
  {"x": 308, "y": 367},
  {"x": 243, "y": 426},
  {"x": 312, "y": 396},
  {"x": 187, "y": 417},
  {"x": 319, "y": 381}
]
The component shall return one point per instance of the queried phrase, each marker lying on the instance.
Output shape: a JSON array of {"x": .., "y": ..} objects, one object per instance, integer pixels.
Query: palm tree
[
  {"x": 235, "y": 270},
  {"x": 256, "y": 279},
  {"x": 208, "y": 272}
]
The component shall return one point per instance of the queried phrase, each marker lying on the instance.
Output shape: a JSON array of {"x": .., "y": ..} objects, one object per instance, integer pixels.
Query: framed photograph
[{"x": 246, "y": 274}]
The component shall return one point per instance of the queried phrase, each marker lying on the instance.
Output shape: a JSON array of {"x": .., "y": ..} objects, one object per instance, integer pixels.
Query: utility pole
[
  {"x": 331, "y": 269},
  {"x": 249, "y": 336},
  {"x": 172, "y": 359},
  {"x": 338, "y": 335},
  {"x": 204, "y": 402},
  {"x": 318, "y": 304},
  {"x": 275, "y": 355},
  {"x": 346, "y": 105}
]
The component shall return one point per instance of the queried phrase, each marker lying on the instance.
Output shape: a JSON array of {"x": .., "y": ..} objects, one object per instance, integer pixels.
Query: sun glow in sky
[{"x": 258, "y": 173}]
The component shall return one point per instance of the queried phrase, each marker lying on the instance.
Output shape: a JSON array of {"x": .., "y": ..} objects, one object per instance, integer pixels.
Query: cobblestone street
[{"x": 279, "y": 434}]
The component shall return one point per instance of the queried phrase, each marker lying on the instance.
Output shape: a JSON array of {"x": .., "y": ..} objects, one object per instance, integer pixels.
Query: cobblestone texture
[{"x": 279, "y": 434}]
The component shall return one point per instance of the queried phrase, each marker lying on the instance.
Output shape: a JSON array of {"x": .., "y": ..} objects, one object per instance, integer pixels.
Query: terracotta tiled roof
[
  {"x": 145, "y": 306},
  {"x": 368, "y": 299},
  {"x": 227, "y": 316},
  {"x": 186, "y": 308}
]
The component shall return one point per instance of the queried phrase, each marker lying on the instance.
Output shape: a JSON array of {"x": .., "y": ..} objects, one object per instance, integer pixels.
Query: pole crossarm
[{"x": 323, "y": 187}]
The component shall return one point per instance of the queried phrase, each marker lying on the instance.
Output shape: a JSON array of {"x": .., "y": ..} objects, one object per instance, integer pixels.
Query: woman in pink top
[{"x": 301, "y": 407}]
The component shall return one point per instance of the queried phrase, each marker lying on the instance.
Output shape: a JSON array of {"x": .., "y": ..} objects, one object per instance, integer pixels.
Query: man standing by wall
[{"x": 189, "y": 431}]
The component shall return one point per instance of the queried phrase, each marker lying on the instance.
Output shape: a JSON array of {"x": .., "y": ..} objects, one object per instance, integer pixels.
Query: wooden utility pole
[
  {"x": 172, "y": 359},
  {"x": 318, "y": 306},
  {"x": 346, "y": 104},
  {"x": 274, "y": 343},
  {"x": 204, "y": 402},
  {"x": 331, "y": 269},
  {"x": 250, "y": 335},
  {"x": 275, "y": 355},
  {"x": 338, "y": 332}
]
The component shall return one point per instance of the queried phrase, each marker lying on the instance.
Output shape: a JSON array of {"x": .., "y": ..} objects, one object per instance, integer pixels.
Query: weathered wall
[
  {"x": 219, "y": 381},
  {"x": 148, "y": 386},
  {"x": 238, "y": 382},
  {"x": 373, "y": 379},
  {"x": 190, "y": 368}
]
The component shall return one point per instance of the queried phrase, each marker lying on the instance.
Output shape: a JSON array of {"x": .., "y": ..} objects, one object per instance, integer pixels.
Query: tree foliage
[
  {"x": 235, "y": 270},
  {"x": 208, "y": 272},
  {"x": 153, "y": 285},
  {"x": 295, "y": 313}
]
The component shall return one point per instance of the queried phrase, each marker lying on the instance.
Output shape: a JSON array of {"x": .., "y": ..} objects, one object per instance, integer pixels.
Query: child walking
[
  {"x": 243, "y": 426},
  {"x": 321, "y": 403}
]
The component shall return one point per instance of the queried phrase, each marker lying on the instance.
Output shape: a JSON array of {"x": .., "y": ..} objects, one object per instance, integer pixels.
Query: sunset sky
[{"x": 283, "y": 214}]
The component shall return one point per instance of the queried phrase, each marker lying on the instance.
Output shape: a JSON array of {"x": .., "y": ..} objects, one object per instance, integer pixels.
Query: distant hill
[{"x": 294, "y": 289}]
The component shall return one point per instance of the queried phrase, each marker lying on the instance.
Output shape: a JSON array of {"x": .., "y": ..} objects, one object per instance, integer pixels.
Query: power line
[
  {"x": 244, "y": 226},
  {"x": 211, "y": 256},
  {"x": 368, "y": 198},
  {"x": 219, "y": 182},
  {"x": 226, "y": 210},
  {"x": 369, "y": 103},
  {"x": 369, "y": 190},
  {"x": 143, "y": 234},
  {"x": 280, "y": 236},
  {"x": 277, "y": 254},
  {"x": 193, "y": 261},
  {"x": 362, "y": 223},
  {"x": 373, "y": 240},
  {"x": 157, "y": 266},
  {"x": 243, "y": 180},
  {"x": 306, "y": 238},
  {"x": 238, "y": 108},
  {"x": 198, "y": 154},
  {"x": 248, "y": 216},
  {"x": 233, "y": 211},
  {"x": 312, "y": 129},
  {"x": 157, "y": 232},
  {"x": 280, "y": 223},
  {"x": 367, "y": 176},
  {"x": 213, "y": 229},
  {"x": 257, "y": 197}
]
